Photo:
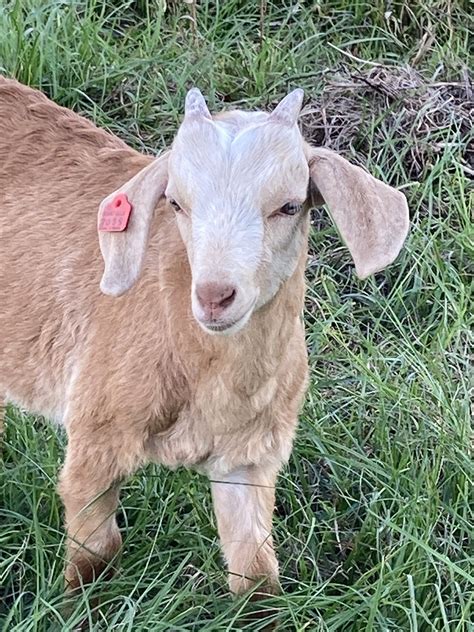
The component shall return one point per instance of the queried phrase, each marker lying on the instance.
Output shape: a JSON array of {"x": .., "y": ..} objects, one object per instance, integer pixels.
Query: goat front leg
[
  {"x": 89, "y": 487},
  {"x": 243, "y": 503}
]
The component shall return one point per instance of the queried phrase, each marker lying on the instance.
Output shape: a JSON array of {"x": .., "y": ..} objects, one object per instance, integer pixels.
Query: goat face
[{"x": 238, "y": 184}]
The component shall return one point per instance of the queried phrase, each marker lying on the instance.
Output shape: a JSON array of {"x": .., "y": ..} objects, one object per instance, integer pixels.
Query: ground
[{"x": 374, "y": 515}]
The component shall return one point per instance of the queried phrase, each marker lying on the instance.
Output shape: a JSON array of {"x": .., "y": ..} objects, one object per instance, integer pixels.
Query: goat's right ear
[{"x": 124, "y": 252}]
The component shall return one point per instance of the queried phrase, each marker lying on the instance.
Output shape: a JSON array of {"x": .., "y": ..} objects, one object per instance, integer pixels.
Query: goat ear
[
  {"x": 124, "y": 252},
  {"x": 371, "y": 216}
]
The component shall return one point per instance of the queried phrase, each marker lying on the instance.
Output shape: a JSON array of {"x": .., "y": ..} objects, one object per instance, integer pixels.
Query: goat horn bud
[
  {"x": 287, "y": 111},
  {"x": 195, "y": 105}
]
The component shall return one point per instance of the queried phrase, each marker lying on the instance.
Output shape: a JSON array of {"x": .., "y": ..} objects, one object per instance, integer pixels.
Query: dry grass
[{"x": 418, "y": 118}]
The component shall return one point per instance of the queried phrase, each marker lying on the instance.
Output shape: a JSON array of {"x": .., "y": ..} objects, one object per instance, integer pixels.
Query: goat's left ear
[{"x": 371, "y": 216}]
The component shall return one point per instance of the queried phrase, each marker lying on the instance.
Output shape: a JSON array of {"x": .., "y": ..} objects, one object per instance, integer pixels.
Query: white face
[{"x": 238, "y": 184}]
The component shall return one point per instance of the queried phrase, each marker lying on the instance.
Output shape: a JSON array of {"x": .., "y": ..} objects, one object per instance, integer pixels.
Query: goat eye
[
  {"x": 290, "y": 208},
  {"x": 175, "y": 205}
]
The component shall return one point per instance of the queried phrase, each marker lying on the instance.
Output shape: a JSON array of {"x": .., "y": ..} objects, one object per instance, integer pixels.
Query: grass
[{"x": 374, "y": 520}]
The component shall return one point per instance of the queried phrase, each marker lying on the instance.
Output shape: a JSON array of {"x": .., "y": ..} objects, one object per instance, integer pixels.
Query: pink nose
[{"x": 214, "y": 298}]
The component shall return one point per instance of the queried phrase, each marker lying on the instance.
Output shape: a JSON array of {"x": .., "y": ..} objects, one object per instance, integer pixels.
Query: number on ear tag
[{"x": 116, "y": 214}]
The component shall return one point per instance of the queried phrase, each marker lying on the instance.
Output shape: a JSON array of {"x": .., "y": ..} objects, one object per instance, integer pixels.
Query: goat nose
[{"x": 214, "y": 298}]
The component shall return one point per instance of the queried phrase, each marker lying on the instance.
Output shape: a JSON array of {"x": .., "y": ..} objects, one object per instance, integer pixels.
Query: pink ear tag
[{"x": 116, "y": 214}]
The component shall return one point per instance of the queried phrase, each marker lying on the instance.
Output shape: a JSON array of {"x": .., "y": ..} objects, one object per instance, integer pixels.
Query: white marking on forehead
[
  {"x": 236, "y": 122},
  {"x": 225, "y": 137},
  {"x": 239, "y": 158},
  {"x": 266, "y": 146}
]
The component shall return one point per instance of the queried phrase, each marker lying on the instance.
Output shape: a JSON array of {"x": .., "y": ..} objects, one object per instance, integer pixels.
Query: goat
[{"x": 190, "y": 350}]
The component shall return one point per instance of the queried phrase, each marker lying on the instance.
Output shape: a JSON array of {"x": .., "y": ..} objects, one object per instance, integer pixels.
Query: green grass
[{"x": 374, "y": 520}]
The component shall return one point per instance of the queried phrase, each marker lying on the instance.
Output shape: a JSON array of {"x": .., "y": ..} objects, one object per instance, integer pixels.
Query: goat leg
[
  {"x": 89, "y": 487},
  {"x": 243, "y": 503}
]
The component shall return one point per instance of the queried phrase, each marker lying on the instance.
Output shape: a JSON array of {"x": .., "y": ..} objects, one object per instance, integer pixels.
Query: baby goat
[{"x": 202, "y": 362}]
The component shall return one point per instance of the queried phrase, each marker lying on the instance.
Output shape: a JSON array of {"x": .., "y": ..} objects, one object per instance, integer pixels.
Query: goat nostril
[
  {"x": 228, "y": 299},
  {"x": 215, "y": 296}
]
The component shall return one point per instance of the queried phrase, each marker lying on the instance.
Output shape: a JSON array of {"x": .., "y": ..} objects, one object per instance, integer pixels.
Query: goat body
[
  {"x": 201, "y": 361},
  {"x": 133, "y": 379}
]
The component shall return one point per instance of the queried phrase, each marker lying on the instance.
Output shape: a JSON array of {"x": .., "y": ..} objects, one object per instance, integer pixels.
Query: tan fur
[{"x": 134, "y": 379}]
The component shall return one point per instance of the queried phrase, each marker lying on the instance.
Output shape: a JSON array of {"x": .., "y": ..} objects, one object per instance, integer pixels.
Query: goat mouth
[
  {"x": 229, "y": 326},
  {"x": 219, "y": 327}
]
